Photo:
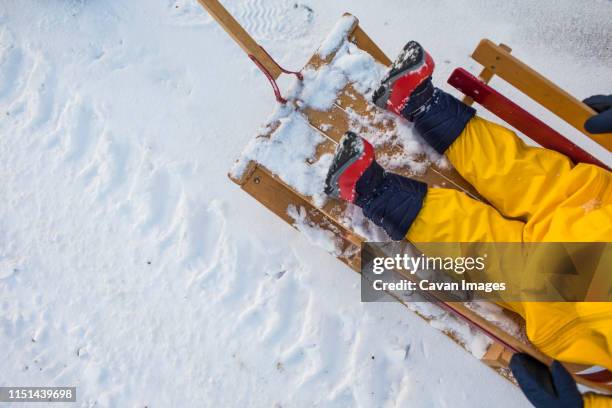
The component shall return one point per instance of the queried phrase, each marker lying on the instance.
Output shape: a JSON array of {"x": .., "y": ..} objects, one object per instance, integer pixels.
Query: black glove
[
  {"x": 602, "y": 122},
  {"x": 545, "y": 387}
]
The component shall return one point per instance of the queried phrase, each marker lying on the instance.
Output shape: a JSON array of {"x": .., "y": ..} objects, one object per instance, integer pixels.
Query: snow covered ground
[{"x": 132, "y": 268}]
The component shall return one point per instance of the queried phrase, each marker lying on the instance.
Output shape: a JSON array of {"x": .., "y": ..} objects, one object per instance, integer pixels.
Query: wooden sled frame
[{"x": 267, "y": 188}]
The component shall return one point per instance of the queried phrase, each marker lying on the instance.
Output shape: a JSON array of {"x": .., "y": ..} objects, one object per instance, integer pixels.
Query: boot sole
[
  {"x": 348, "y": 152},
  {"x": 411, "y": 58}
]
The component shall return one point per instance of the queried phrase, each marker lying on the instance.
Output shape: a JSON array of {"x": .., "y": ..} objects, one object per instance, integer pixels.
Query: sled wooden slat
[
  {"x": 333, "y": 123},
  {"x": 538, "y": 88}
]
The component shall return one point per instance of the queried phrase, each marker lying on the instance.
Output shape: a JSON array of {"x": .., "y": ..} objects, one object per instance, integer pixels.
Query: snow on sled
[{"x": 284, "y": 166}]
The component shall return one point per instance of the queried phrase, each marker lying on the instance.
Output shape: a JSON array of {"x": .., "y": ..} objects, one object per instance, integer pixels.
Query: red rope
[{"x": 277, "y": 94}]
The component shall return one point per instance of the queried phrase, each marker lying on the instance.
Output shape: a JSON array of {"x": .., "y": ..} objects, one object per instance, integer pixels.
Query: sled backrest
[{"x": 498, "y": 60}]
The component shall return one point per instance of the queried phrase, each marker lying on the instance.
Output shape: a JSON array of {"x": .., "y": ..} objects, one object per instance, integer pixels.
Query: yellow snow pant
[{"x": 536, "y": 195}]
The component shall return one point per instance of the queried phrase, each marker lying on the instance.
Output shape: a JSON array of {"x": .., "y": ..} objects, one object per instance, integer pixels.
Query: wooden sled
[{"x": 278, "y": 196}]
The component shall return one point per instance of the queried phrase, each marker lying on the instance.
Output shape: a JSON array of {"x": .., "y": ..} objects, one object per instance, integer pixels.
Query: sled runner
[{"x": 284, "y": 196}]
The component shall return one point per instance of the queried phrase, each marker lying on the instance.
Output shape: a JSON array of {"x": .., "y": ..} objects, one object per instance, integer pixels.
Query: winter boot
[
  {"x": 391, "y": 201},
  {"x": 407, "y": 90},
  {"x": 354, "y": 155},
  {"x": 407, "y": 87}
]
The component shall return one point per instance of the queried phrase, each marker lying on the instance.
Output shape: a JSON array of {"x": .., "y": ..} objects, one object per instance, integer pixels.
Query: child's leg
[
  {"x": 452, "y": 216},
  {"x": 536, "y": 185},
  {"x": 406, "y": 207},
  {"x": 513, "y": 177}
]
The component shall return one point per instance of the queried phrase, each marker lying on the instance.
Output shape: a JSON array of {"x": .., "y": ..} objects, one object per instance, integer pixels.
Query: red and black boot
[
  {"x": 354, "y": 155},
  {"x": 407, "y": 87},
  {"x": 389, "y": 200},
  {"x": 407, "y": 90}
]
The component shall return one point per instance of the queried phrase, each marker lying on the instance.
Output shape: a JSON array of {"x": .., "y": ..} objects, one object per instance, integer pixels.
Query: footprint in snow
[
  {"x": 278, "y": 19},
  {"x": 12, "y": 65},
  {"x": 156, "y": 195}
]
